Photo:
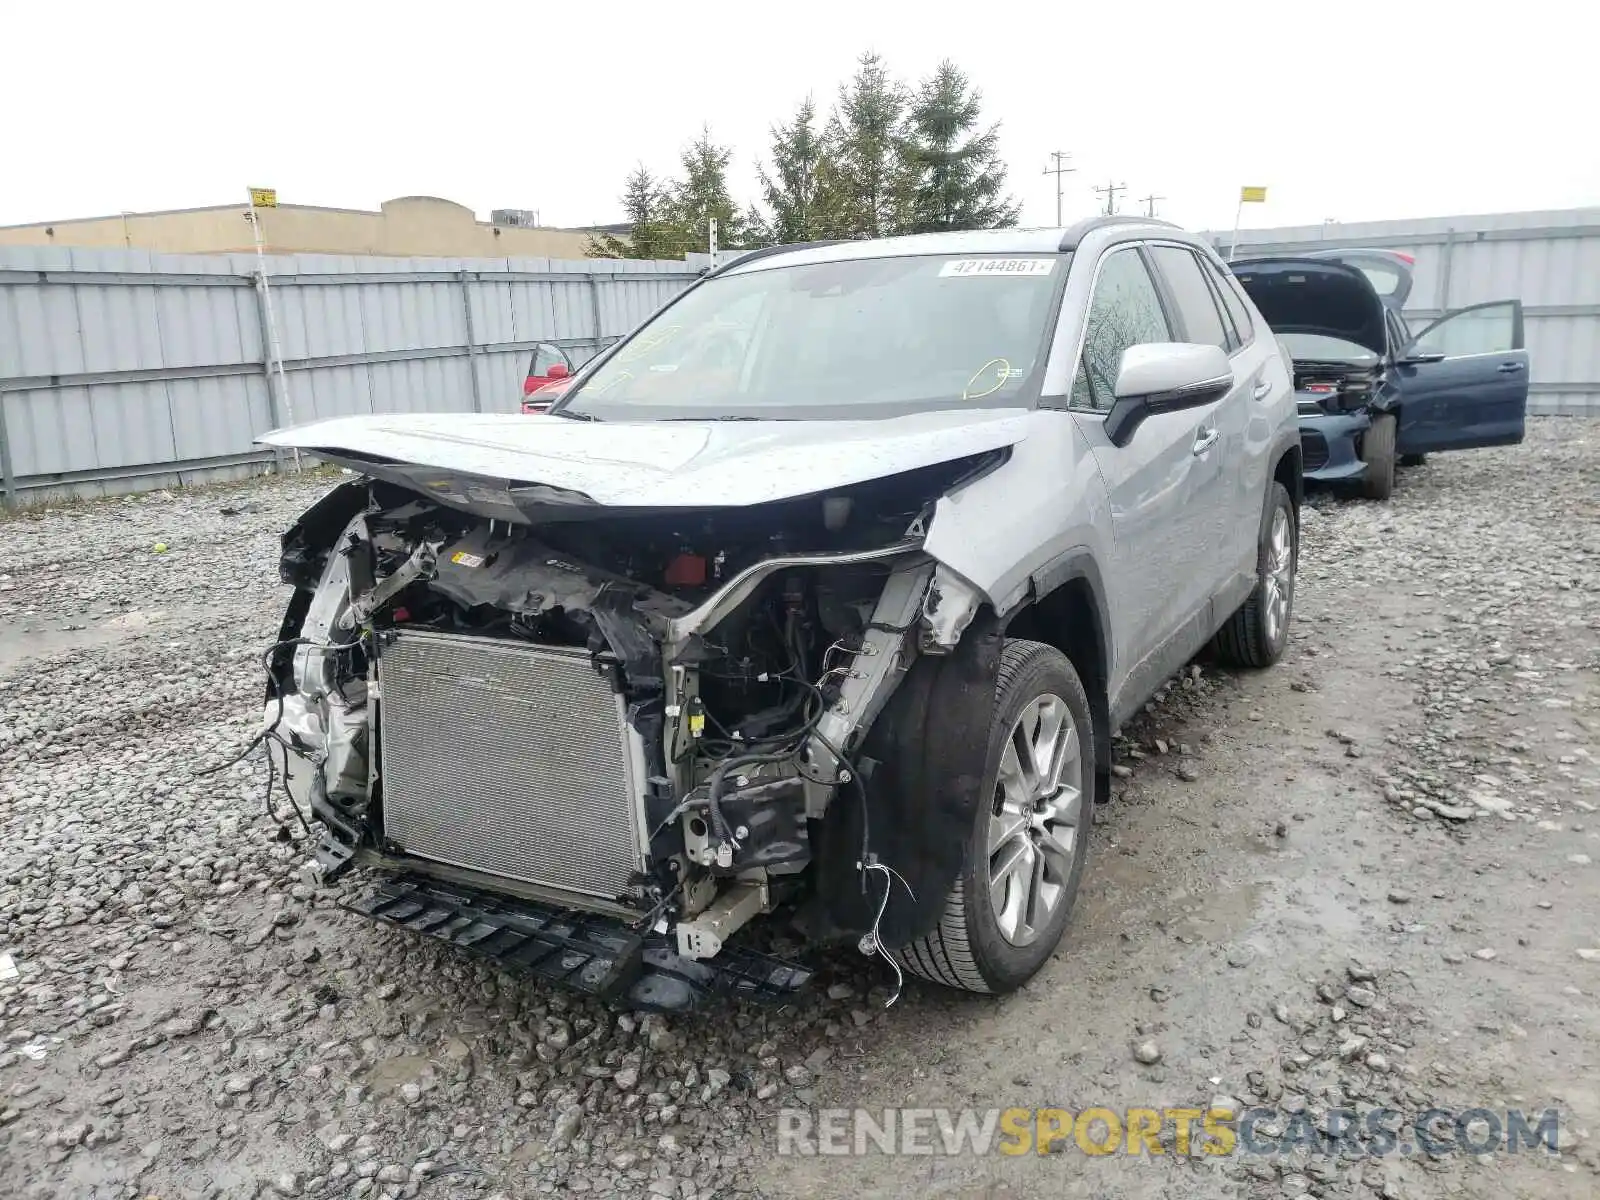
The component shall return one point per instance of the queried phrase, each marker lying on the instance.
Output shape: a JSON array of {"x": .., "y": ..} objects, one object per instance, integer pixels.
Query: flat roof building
[{"x": 407, "y": 227}]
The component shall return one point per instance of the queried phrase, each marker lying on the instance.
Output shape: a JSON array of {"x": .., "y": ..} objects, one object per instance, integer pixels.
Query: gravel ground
[{"x": 1370, "y": 876}]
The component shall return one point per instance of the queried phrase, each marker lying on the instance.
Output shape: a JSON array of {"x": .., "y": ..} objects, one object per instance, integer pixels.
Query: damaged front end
[{"x": 599, "y": 744}]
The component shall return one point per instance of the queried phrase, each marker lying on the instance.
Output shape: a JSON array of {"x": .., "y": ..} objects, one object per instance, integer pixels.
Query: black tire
[
  {"x": 1413, "y": 460},
  {"x": 1248, "y": 639},
  {"x": 1377, "y": 451},
  {"x": 968, "y": 949}
]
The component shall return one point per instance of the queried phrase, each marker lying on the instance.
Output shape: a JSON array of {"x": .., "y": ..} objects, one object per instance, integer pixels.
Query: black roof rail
[
  {"x": 1076, "y": 234},
  {"x": 769, "y": 251}
]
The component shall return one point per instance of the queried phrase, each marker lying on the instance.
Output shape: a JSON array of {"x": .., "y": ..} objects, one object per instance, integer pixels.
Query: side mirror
[
  {"x": 558, "y": 370},
  {"x": 1163, "y": 377}
]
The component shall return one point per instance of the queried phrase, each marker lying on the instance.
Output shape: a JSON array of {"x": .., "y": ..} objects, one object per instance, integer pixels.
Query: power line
[
  {"x": 1060, "y": 169},
  {"x": 1110, "y": 193},
  {"x": 1150, "y": 204}
]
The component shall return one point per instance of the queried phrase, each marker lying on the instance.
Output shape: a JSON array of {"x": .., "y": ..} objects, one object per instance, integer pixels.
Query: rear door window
[{"x": 1197, "y": 308}]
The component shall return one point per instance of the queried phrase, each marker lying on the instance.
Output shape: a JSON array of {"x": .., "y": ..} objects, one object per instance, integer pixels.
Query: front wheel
[
  {"x": 1030, "y": 838},
  {"x": 1377, "y": 451},
  {"x": 1258, "y": 631}
]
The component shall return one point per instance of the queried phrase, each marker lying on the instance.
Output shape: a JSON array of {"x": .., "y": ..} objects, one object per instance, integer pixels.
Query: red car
[{"x": 548, "y": 372}]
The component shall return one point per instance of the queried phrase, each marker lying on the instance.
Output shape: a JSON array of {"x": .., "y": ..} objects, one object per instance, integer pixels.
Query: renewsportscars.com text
[{"x": 1181, "y": 1131}]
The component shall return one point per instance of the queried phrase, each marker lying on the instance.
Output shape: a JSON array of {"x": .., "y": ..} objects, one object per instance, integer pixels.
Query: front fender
[{"x": 1001, "y": 532}]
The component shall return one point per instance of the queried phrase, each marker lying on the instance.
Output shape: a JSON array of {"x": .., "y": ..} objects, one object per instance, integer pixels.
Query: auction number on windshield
[{"x": 970, "y": 268}]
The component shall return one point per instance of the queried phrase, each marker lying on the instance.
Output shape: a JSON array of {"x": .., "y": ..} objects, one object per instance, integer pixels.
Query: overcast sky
[{"x": 1351, "y": 110}]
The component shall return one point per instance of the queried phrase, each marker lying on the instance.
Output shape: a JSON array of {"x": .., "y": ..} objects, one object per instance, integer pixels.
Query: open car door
[
  {"x": 1463, "y": 381},
  {"x": 549, "y": 365}
]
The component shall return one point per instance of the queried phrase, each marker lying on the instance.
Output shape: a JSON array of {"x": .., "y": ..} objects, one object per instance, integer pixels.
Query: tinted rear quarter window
[{"x": 1233, "y": 300}]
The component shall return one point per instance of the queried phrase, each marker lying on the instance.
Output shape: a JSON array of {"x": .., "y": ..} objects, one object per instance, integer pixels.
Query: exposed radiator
[{"x": 510, "y": 759}]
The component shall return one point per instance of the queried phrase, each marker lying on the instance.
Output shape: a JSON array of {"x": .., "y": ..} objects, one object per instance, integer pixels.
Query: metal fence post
[
  {"x": 274, "y": 400},
  {"x": 1444, "y": 269},
  {"x": 8, "y": 479},
  {"x": 594, "y": 305},
  {"x": 472, "y": 341}
]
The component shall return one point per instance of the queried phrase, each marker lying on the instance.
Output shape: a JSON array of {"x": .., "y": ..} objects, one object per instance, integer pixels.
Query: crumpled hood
[{"x": 676, "y": 464}]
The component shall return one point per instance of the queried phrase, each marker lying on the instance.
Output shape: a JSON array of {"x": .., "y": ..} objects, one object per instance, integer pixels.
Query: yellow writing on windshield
[{"x": 1002, "y": 373}]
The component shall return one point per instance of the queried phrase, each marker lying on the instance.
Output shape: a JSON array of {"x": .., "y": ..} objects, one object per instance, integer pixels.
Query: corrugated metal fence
[
  {"x": 121, "y": 370},
  {"x": 1548, "y": 260}
]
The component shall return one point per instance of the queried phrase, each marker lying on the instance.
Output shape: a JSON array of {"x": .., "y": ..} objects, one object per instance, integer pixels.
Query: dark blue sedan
[{"x": 1373, "y": 394}]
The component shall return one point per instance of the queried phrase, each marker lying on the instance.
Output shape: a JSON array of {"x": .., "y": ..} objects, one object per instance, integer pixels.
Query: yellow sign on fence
[
  {"x": 1252, "y": 195},
  {"x": 268, "y": 197}
]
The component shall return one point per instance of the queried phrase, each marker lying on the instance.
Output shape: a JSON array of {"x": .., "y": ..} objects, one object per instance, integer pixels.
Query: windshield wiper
[{"x": 574, "y": 416}]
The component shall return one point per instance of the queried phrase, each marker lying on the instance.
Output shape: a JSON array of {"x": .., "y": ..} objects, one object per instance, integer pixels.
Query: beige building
[{"x": 410, "y": 226}]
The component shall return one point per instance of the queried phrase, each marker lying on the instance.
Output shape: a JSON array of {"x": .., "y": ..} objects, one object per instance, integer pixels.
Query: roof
[{"x": 1049, "y": 240}]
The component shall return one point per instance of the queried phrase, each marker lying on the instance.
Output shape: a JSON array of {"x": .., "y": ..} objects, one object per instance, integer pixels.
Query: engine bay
[
  {"x": 743, "y": 653},
  {"x": 1337, "y": 386}
]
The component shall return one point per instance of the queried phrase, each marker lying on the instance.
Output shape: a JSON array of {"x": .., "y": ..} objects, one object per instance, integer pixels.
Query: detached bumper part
[
  {"x": 1328, "y": 446},
  {"x": 591, "y": 954}
]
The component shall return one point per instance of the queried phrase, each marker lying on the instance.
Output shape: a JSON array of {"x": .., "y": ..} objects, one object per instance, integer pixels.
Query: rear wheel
[
  {"x": 1377, "y": 451},
  {"x": 1028, "y": 844},
  {"x": 1257, "y": 633}
]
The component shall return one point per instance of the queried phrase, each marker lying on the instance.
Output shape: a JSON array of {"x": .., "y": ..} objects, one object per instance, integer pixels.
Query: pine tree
[
  {"x": 790, "y": 191},
  {"x": 862, "y": 182},
  {"x": 957, "y": 177},
  {"x": 702, "y": 194},
  {"x": 646, "y": 201}
]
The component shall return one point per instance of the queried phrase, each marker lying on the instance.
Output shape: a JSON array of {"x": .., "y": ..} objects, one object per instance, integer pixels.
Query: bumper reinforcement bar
[{"x": 591, "y": 954}]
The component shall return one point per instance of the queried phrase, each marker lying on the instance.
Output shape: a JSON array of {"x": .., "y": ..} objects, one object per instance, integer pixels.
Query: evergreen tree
[
  {"x": 957, "y": 179},
  {"x": 862, "y": 184},
  {"x": 702, "y": 194},
  {"x": 791, "y": 189},
  {"x": 646, "y": 202},
  {"x": 887, "y": 161}
]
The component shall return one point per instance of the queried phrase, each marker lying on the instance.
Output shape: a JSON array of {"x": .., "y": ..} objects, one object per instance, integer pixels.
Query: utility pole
[
  {"x": 1060, "y": 157},
  {"x": 1149, "y": 203},
  {"x": 268, "y": 198},
  {"x": 1110, "y": 193}
]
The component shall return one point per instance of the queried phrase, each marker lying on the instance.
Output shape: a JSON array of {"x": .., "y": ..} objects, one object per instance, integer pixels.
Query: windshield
[
  {"x": 1315, "y": 347},
  {"x": 862, "y": 338}
]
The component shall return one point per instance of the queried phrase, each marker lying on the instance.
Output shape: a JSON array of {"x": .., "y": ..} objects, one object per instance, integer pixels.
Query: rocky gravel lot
[{"x": 1369, "y": 878}]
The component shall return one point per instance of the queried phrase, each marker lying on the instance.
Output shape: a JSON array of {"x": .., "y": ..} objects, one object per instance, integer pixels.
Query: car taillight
[
  {"x": 1409, "y": 259},
  {"x": 1321, "y": 387}
]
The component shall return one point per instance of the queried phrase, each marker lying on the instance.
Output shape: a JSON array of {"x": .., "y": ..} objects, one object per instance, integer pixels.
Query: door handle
[
  {"x": 1206, "y": 439},
  {"x": 1510, "y": 368},
  {"x": 1262, "y": 388}
]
